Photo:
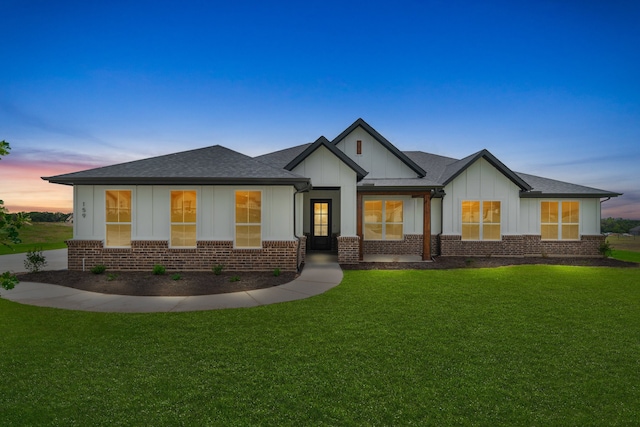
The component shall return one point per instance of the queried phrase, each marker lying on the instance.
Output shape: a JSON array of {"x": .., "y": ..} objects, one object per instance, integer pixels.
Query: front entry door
[{"x": 321, "y": 224}]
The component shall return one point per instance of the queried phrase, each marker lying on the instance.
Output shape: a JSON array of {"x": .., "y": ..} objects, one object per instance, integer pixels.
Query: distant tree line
[
  {"x": 617, "y": 225},
  {"x": 48, "y": 216}
]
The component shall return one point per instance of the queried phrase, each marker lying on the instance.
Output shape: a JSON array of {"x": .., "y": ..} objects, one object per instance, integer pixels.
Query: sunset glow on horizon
[{"x": 550, "y": 88}]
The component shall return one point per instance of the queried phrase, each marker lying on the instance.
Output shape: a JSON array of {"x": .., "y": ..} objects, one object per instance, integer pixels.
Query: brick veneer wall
[
  {"x": 411, "y": 244},
  {"x": 348, "y": 249},
  {"x": 144, "y": 254},
  {"x": 520, "y": 245}
]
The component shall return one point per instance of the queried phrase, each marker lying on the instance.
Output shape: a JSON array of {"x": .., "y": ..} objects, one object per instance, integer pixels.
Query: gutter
[{"x": 302, "y": 190}]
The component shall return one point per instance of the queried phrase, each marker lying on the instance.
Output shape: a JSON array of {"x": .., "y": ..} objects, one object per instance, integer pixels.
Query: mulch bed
[{"x": 144, "y": 283}]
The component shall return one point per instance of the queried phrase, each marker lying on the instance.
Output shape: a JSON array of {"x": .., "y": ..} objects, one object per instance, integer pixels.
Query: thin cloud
[{"x": 35, "y": 121}]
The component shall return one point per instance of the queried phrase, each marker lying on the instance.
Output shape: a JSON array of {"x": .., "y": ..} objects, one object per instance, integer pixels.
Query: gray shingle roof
[
  {"x": 281, "y": 158},
  {"x": 553, "y": 188},
  {"x": 210, "y": 165}
]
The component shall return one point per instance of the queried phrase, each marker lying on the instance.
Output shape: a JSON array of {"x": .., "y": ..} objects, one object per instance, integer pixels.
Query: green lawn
[
  {"x": 45, "y": 235},
  {"x": 527, "y": 345}
]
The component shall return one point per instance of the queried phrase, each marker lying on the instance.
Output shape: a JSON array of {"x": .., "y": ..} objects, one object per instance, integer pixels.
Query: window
[
  {"x": 248, "y": 219},
  {"x": 118, "y": 218},
  {"x": 560, "y": 220},
  {"x": 183, "y": 218},
  {"x": 481, "y": 227},
  {"x": 383, "y": 220}
]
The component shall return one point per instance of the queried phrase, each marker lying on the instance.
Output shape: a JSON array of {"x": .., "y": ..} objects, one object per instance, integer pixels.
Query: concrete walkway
[{"x": 318, "y": 276}]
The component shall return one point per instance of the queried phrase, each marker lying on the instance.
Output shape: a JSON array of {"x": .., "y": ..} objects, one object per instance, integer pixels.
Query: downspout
[
  {"x": 302, "y": 190},
  {"x": 441, "y": 219}
]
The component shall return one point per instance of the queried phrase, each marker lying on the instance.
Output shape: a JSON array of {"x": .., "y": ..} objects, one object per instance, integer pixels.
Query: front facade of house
[{"x": 357, "y": 195}]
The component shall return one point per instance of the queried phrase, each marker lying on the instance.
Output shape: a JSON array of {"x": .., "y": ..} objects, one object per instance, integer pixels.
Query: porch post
[
  {"x": 359, "y": 226},
  {"x": 426, "y": 228}
]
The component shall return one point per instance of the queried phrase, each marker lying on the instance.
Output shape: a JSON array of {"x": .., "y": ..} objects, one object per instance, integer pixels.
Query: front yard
[{"x": 524, "y": 345}]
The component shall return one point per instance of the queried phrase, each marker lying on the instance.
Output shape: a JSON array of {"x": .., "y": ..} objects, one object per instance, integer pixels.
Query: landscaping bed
[{"x": 145, "y": 283}]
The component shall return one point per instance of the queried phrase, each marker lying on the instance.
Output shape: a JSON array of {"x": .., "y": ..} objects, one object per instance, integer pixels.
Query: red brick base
[
  {"x": 522, "y": 245},
  {"x": 348, "y": 250},
  {"x": 144, "y": 254}
]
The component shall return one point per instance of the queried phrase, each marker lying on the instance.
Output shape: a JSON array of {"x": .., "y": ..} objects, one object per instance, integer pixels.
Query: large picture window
[
  {"x": 183, "y": 218},
  {"x": 481, "y": 220},
  {"x": 560, "y": 220},
  {"x": 383, "y": 220},
  {"x": 248, "y": 219},
  {"x": 118, "y": 218}
]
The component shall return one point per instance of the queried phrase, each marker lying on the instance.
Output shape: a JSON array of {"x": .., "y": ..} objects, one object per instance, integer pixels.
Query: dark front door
[{"x": 321, "y": 224}]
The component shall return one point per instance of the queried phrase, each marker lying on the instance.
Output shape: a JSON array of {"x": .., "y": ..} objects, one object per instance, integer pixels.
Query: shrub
[
  {"x": 159, "y": 270},
  {"x": 98, "y": 269},
  {"x": 176, "y": 276},
  {"x": 217, "y": 270},
  {"x": 35, "y": 260},
  {"x": 111, "y": 277},
  {"x": 234, "y": 279},
  {"x": 605, "y": 249},
  {"x": 276, "y": 272},
  {"x": 8, "y": 280}
]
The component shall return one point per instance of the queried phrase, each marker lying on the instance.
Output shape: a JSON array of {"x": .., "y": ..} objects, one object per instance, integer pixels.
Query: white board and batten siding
[
  {"x": 589, "y": 215},
  {"x": 481, "y": 181},
  {"x": 327, "y": 170},
  {"x": 375, "y": 158},
  {"x": 151, "y": 207}
]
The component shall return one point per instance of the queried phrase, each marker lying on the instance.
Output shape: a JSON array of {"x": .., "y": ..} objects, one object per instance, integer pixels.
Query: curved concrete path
[{"x": 318, "y": 276}]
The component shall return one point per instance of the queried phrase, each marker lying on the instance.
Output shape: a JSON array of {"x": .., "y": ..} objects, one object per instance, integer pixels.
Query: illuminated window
[
  {"x": 183, "y": 218},
  {"x": 248, "y": 219},
  {"x": 383, "y": 220},
  {"x": 118, "y": 218},
  {"x": 560, "y": 220},
  {"x": 481, "y": 227}
]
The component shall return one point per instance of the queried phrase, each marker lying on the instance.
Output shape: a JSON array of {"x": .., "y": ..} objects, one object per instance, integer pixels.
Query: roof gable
[
  {"x": 210, "y": 165},
  {"x": 324, "y": 142},
  {"x": 383, "y": 141},
  {"x": 454, "y": 169}
]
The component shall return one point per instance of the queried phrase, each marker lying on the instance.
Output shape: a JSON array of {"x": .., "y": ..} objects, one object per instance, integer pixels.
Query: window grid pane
[
  {"x": 383, "y": 219},
  {"x": 118, "y": 218},
  {"x": 248, "y": 219},
  {"x": 183, "y": 218}
]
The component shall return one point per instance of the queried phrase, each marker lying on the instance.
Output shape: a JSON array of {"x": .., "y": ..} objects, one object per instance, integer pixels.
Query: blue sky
[{"x": 551, "y": 88}]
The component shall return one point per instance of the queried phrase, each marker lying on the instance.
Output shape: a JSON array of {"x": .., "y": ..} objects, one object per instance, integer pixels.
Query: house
[
  {"x": 357, "y": 195},
  {"x": 635, "y": 231}
]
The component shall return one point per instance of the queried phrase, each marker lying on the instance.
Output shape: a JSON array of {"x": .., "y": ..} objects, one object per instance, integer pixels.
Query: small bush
[
  {"x": 234, "y": 279},
  {"x": 276, "y": 272},
  {"x": 159, "y": 270},
  {"x": 35, "y": 260},
  {"x": 605, "y": 249},
  {"x": 98, "y": 269},
  {"x": 8, "y": 280},
  {"x": 176, "y": 276},
  {"x": 111, "y": 277},
  {"x": 217, "y": 270}
]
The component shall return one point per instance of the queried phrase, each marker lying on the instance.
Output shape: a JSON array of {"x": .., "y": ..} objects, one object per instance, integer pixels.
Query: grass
[
  {"x": 625, "y": 248},
  {"x": 45, "y": 235},
  {"x": 526, "y": 345}
]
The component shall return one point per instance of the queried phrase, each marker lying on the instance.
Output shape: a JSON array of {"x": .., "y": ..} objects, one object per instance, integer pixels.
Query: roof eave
[
  {"x": 296, "y": 182},
  {"x": 541, "y": 195}
]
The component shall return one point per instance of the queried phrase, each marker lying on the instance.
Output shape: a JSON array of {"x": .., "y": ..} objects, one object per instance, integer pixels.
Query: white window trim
[
  {"x": 235, "y": 222},
  {"x": 559, "y": 237},
  {"x": 171, "y": 223},
  {"x": 106, "y": 223},
  {"x": 383, "y": 223},
  {"x": 481, "y": 223}
]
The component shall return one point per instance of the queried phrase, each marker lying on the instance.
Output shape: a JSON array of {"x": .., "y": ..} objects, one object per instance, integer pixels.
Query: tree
[{"x": 9, "y": 227}]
